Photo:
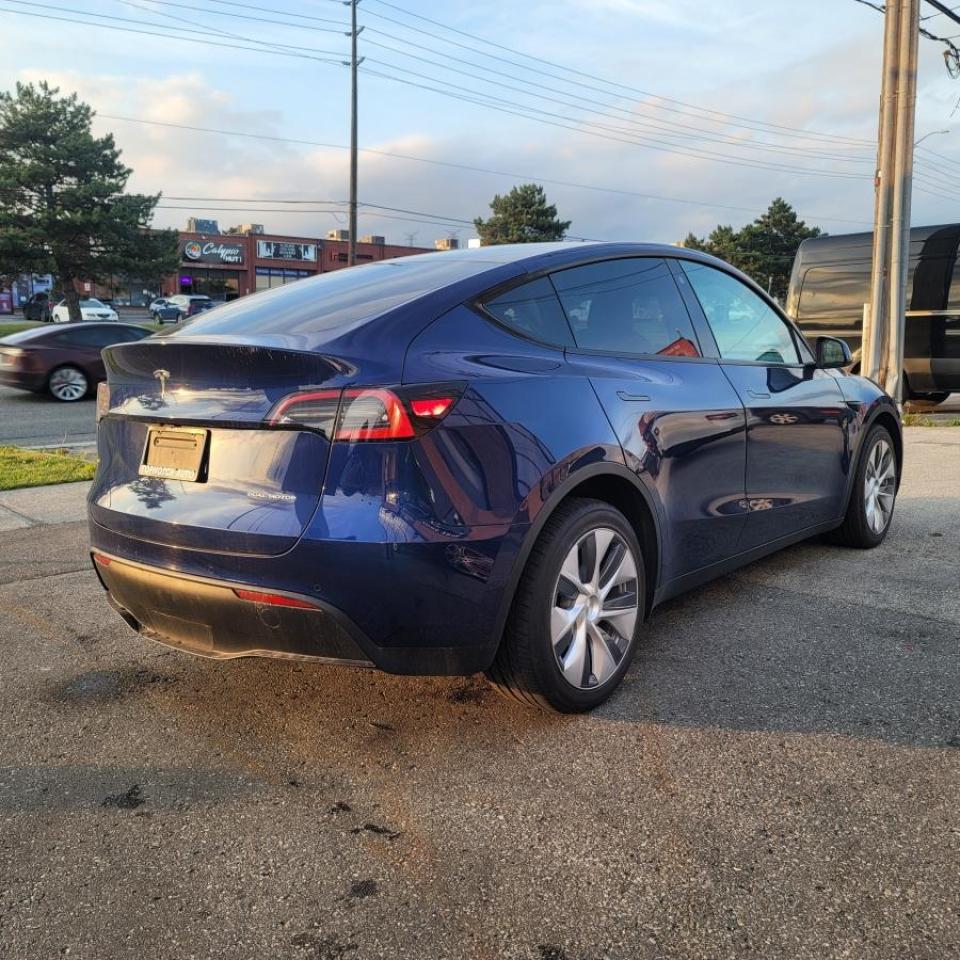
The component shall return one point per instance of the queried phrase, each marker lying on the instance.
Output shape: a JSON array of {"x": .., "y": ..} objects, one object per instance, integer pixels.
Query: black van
[{"x": 831, "y": 282}]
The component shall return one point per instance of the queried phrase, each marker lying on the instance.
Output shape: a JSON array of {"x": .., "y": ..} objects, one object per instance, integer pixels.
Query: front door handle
[
  {"x": 641, "y": 397},
  {"x": 758, "y": 396}
]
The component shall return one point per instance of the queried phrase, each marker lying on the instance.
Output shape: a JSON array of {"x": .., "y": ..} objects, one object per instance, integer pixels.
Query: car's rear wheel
[
  {"x": 928, "y": 399},
  {"x": 874, "y": 493},
  {"x": 573, "y": 626},
  {"x": 68, "y": 384}
]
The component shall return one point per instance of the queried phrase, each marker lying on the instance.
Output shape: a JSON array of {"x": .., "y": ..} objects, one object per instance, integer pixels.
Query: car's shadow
[{"x": 816, "y": 639}]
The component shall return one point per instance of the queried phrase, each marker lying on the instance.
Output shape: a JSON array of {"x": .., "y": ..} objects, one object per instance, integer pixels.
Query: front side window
[
  {"x": 744, "y": 326},
  {"x": 629, "y": 306},
  {"x": 532, "y": 309}
]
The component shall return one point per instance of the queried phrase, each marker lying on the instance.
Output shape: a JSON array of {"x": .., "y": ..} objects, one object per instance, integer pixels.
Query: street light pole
[{"x": 354, "y": 63}]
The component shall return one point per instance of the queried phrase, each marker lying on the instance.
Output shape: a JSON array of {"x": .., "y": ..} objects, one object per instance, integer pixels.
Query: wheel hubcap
[
  {"x": 595, "y": 608},
  {"x": 880, "y": 483},
  {"x": 68, "y": 384}
]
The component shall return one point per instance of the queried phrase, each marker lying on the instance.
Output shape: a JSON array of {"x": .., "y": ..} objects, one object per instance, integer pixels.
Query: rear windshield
[{"x": 336, "y": 300}]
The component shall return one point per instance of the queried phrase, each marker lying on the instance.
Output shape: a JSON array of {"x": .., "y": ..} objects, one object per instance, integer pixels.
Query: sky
[{"x": 643, "y": 119}]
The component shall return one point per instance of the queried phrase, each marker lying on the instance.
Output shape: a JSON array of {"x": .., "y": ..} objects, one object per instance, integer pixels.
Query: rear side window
[
  {"x": 92, "y": 337},
  {"x": 627, "y": 306},
  {"x": 532, "y": 310}
]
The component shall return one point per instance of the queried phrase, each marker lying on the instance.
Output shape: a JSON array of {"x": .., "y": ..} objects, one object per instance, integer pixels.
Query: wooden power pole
[{"x": 883, "y": 333}]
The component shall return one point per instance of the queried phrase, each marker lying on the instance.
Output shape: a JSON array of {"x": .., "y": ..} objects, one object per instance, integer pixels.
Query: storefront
[
  {"x": 216, "y": 267},
  {"x": 231, "y": 265}
]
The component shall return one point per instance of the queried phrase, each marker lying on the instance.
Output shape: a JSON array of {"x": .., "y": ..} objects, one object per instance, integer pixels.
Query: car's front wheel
[
  {"x": 573, "y": 626},
  {"x": 874, "y": 493},
  {"x": 68, "y": 384}
]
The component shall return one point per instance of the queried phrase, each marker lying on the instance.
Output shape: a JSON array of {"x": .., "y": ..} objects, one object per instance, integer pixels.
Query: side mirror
[{"x": 832, "y": 353}]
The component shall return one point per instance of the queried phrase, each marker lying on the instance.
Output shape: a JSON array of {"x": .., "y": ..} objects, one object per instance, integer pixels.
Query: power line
[
  {"x": 676, "y": 104},
  {"x": 509, "y": 107},
  {"x": 660, "y": 126},
  {"x": 521, "y": 177},
  {"x": 519, "y": 110},
  {"x": 163, "y": 36}
]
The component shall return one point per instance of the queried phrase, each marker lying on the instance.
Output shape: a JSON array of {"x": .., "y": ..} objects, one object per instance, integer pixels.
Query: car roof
[{"x": 558, "y": 252}]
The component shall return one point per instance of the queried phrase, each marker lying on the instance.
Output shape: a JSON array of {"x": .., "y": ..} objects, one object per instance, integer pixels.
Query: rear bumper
[{"x": 207, "y": 618}]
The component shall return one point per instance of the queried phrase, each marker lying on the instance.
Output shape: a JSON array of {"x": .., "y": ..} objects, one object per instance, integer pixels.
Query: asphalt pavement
[
  {"x": 777, "y": 778},
  {"x": 37, "y": 420}
]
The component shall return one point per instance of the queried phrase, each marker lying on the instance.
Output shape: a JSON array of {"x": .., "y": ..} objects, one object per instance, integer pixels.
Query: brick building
[{"x": 247, "y": 259}]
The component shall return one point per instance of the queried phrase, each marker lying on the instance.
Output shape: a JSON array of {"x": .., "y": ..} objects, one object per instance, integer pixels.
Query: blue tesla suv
[{"x": 495, "y": 460}]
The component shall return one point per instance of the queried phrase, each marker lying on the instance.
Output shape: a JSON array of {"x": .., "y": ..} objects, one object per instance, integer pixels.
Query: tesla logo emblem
[{"x": 162, "y": 376}]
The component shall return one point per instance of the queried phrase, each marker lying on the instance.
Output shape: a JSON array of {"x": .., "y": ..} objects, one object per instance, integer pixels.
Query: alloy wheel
[
  {"x": 595, "y": 608},
  {"x": 68, "y": 383},
  {"x": 879, "y": 486}
]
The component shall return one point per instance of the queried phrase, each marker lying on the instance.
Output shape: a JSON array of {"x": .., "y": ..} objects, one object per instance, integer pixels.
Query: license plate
[{"x": 175, "y": 453}]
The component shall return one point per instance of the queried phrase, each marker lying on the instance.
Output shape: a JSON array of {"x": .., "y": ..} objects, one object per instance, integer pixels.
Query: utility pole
[
  {"x": 883, "y": 332},
  {"x": 354, "y": 63},
  {"x": 891, "y": 370}
]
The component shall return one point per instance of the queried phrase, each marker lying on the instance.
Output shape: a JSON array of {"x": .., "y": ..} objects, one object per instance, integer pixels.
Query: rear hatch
[{"x": 203, "y": 407}]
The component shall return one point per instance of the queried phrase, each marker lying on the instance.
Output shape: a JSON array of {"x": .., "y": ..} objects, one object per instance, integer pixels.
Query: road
[
  {"x": 37, "y": 420},
  {"x": 778, "y": 777}
]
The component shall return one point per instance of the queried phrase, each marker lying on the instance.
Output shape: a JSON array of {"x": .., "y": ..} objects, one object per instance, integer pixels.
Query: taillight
[
  {"x": 103, "y": 400},
  {"x": 274, "y": 599},
  {"x": 316, "y": 409},
  {"x": 372, "y": 414},
  {"x": 368, "y": 413}
]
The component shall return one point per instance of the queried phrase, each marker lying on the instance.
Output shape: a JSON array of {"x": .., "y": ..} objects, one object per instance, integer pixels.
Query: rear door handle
[
  {"x": 640, "y": 397},
  {"x": 758, "y": 396}
]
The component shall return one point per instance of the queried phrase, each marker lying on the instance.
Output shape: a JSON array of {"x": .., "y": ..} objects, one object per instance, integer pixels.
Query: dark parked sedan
[
  {"x": 499, "y": 459},
  {"x": 63, "y": 360}
]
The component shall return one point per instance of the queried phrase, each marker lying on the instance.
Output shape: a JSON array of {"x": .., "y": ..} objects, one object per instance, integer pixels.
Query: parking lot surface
[{"x": 778, "y": 777}]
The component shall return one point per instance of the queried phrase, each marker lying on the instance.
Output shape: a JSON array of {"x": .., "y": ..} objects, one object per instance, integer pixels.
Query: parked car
[
  {"x": 37, "y": 307},
  {"x": 830, "y": 284},
  {"x": 189, "y": 305},
  {"x": 499, "y": 459},
  {"x": 168, "y": 313},
  {"x": 64, "y": 362},
  {"x": 157, "y": 306},
  {"x": 91, "y": 310}
]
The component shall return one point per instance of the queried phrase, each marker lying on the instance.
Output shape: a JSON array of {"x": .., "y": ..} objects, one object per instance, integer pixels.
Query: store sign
[
  {"x": 200, "y": 251},
  {"x": 278, "y": 250}
]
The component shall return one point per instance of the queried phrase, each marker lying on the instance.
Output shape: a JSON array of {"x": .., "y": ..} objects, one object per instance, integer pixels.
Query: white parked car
[{"x": 91, "y": 309}]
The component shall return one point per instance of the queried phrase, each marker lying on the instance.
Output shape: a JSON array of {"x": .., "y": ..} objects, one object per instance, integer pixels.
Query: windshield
[
  {"x": 336, "y": 300},
  {"x": 91, "y": 304}
]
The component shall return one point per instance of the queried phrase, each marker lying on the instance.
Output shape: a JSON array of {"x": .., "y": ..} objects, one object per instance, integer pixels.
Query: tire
[
  {"x": 68, "y": 384},
  {"x": 557, "y": 614},
  {"x": 861, "y": 527},
  {"x": 928, "y": 399}
]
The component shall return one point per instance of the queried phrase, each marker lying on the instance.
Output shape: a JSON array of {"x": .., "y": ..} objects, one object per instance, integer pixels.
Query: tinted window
[
  {"x": 336, "y": 300},
  {"x": 91, "y": 337},
  {"x": 21, "y": 336},
  {"x": 627, "y": 306},
  {"x": 744, "y": 325},
  {"x": 835, "y": 291},
  {"x": 533, "y": 310}
]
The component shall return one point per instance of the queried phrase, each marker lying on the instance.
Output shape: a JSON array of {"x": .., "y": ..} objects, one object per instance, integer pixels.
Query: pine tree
[
  {"x": 63, "y": 209},
  {"x": 522, "y": 216}
]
